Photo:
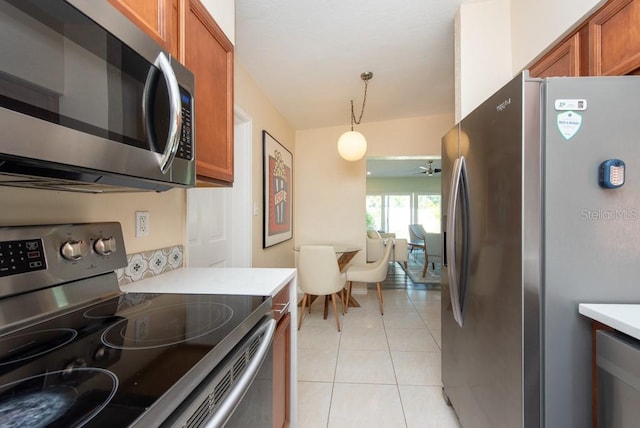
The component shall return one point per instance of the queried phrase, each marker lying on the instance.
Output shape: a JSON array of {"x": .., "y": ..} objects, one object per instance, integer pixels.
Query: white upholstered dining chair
[
  {"x": 370, "y": 272},
  {"x": 319, "y": 275}
]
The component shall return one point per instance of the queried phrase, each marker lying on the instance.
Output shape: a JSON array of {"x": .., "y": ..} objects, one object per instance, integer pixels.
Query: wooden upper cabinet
[
  {"x": 614, "y": 39},
  {"x": 208, "y": 53},
  {"x": 564, "y": 60},
  {"x": 157, "y": 18}
]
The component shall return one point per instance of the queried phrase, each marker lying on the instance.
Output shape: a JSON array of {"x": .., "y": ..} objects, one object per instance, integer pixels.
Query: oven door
[
  {"x": 82, "y": 91},
  {"x": 239, "y": 391}
]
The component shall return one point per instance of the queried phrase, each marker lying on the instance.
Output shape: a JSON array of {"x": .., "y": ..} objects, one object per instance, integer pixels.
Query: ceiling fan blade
[
  {"x": 437, "y": 170},
  {"x": 422, "y": 167}
]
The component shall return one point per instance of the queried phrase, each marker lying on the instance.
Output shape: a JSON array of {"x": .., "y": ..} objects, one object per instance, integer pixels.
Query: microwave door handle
[
  {"x": 451, "y": 241},
  {"x": 231, "y": 402},
  {"x": 175, "y": 111}
]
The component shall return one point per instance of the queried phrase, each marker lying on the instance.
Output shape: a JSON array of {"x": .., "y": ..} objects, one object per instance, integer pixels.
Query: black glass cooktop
[{"x": 105, "y": 364}]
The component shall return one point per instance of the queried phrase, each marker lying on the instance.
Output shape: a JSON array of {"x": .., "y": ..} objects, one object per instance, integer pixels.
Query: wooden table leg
[{"x": 352, "y": 303}]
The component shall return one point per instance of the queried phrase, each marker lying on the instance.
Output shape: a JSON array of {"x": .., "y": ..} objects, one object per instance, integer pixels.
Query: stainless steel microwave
[{"x": 89, "y": 102}]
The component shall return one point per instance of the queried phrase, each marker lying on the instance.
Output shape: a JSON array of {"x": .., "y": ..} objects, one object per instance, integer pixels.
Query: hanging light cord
[{"x": 365, "y": 77}]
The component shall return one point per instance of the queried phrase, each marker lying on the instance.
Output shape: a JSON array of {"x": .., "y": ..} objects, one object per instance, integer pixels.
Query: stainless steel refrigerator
[{"x": 541, "y": 211}]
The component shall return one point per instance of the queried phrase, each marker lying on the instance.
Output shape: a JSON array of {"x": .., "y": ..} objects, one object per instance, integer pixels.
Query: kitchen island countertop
[{"x": 621, "y": 317}]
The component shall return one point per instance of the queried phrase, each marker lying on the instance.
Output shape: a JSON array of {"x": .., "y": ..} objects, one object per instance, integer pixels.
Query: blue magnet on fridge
[{"x": 611, "y": 174}]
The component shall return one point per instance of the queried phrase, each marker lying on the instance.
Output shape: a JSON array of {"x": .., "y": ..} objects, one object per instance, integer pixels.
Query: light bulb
[{"x": 352, "y": 146}]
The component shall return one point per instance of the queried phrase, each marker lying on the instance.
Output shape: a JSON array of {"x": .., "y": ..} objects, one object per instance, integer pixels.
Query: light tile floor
[{"x": 379, "y": 371}]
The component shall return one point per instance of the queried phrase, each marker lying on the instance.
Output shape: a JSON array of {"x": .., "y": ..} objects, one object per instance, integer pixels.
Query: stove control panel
[
  {"x": 21, "y": 256},
  {"x": 35, "y": 257}
]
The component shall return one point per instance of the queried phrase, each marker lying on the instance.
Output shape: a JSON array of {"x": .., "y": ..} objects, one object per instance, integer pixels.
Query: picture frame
[{"x": 277, "y": 191}]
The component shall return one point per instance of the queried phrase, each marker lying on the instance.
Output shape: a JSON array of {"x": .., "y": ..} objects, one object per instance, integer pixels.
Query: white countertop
[
  {"x": 207, "y": 280},
  {"x": 621, "y": 317}
]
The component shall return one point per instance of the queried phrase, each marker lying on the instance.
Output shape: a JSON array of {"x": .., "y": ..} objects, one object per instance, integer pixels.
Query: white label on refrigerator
[
  {"x": 565, "y": 105},
  {"x": 569, "y": 123}
]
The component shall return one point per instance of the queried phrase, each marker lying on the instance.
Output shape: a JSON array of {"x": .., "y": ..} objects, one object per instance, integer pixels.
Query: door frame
[{"x": 242, "y": 192}]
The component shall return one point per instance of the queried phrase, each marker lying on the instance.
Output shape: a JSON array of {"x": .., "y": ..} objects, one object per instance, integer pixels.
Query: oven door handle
[{"x": 231, "y": 402}]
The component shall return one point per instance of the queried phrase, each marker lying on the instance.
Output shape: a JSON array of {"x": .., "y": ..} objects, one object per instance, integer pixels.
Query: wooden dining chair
[{"x": 319, "y": 275}]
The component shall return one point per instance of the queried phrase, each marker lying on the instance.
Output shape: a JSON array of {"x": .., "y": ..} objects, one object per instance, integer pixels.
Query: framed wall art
[{"x": 277, "y": 191}]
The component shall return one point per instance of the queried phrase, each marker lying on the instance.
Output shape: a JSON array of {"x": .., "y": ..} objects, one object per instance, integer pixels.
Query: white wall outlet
[{"x": 143, "y": 224}]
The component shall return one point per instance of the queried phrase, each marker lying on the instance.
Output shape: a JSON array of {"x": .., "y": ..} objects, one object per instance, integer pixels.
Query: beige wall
[
  {"x": 224, "y": 12},
  {"x": 329, "y": 192},
  {"x": 483, "y": 52},
  {"x": 252, "y": 100},
  {"x": 536, "y": 25},
  {"x": 422, "y": 184},
  {"x": 166, "y": 211},
  {"x": 496, "y": 39}
]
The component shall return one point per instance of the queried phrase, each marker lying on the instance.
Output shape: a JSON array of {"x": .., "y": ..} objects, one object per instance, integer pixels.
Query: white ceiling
[{"x": 307, "y": 55}]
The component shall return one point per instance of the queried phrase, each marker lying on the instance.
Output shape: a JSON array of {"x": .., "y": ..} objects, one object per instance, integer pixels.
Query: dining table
[{"x": 344, "y": 253}]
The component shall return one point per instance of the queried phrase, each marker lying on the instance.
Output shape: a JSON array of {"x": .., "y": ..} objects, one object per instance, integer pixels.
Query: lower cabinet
[{"x": 281, "y": 360}]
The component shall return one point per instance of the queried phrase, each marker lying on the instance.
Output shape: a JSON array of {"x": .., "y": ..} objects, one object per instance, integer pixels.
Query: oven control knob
[
  {"x": 74, "y": 250},
  {"x": 105, "y": 246}
]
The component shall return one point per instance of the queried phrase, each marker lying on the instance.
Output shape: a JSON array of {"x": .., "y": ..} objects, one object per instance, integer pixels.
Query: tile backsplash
[{"x": 150, "y": 263}]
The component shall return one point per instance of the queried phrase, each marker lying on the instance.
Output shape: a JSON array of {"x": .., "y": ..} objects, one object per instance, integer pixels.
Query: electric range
[{"x": 75, "y": 351}]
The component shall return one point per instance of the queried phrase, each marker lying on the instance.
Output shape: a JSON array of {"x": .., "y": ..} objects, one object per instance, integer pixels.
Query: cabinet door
[
  {"x": 208, "y": 53},
  {"x": 614, "y": 39},
  {"x": 564, "y": 60},
  {"x": 157, "y": 18},
  {"x": 281, "y": 367}
]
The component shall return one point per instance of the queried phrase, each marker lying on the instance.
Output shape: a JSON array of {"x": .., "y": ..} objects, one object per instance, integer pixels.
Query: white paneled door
[
  {"x": 219, "y": 219},
  {"x": 209, "y": 234}
]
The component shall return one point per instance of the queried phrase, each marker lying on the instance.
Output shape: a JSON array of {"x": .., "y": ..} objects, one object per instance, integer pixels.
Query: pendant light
[{"x": 352, "y": 145}]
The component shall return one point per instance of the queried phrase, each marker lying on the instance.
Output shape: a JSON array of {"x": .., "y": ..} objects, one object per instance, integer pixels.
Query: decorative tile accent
[{"x": 150, "y": 263}]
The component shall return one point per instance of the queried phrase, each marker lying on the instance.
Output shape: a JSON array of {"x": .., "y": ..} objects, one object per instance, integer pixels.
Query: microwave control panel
[{"x": 185, "y": 148}]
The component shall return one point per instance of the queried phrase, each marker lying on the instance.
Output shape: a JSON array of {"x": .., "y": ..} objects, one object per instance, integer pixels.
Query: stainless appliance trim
[
  {"x": 41, "y": 154},
  {"x": 451, "y": 237},
  {"x": 532, "y": 232},
  {"x": 459, "y": 285},
  {"x": 617, "y": 357},
  {"x": 173, "y": 137},
  {"x": 231, "y": 402},
  {"x": 59, "y": 270}
]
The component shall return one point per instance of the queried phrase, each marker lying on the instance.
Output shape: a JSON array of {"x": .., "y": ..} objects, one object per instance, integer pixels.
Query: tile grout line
[{"x": 335, "y": 372}]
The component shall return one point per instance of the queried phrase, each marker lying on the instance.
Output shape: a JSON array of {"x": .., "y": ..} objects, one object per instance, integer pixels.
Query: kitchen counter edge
[
  {"x": 210, "y": 280},
  {"x": 621, "y": 317}
]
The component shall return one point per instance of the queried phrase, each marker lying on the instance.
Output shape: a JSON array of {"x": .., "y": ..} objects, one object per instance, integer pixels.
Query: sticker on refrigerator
[
  {"x": 567, "y": 104},
  {"x": 569, "y": 124}
]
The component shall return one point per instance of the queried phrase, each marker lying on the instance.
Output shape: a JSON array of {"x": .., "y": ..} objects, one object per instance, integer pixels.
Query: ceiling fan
[{"x": 431, "y": 170}]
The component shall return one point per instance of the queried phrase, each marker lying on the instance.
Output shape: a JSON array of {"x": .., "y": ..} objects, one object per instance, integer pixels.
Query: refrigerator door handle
[
  {"x": 458, "y": 284},
  {"x": 465, "y": 208},
  {"x": 451, "y": 240}
]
